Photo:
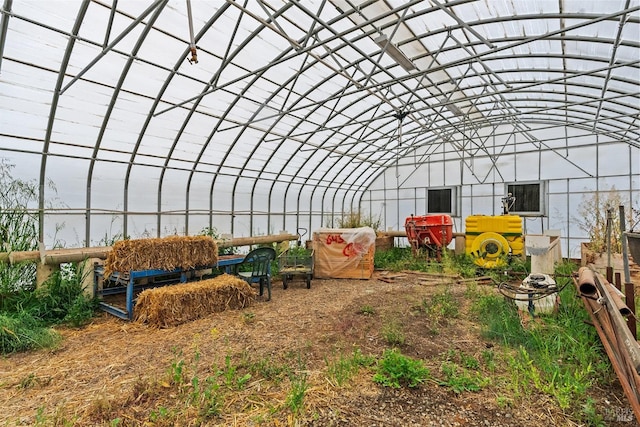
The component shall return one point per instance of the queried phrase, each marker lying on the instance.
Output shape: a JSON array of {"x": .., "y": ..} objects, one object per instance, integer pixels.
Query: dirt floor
[{"x": 113, "y": 372}]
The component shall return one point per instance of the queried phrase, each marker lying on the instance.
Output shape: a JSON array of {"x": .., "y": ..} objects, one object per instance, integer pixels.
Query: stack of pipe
[{"x": 607, "y": 312}]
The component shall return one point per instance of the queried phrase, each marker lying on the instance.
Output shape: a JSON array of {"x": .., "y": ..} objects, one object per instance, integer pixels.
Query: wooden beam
[{"x": 59, "y": 256}]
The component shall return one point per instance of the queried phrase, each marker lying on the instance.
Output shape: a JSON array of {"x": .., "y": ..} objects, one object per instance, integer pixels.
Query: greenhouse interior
[{"x": 417, "y": 124}]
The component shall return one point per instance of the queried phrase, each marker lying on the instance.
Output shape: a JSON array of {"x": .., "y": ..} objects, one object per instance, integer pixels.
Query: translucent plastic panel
[
  {"x": 172, "y": 225},
  {"x": 143, "y": 189},
  {"x": 69, "y": 176},
  {"x": 621, "y": 152},
  {"x": 107, "y": 186},
  {"x": 106, "y": 228}
]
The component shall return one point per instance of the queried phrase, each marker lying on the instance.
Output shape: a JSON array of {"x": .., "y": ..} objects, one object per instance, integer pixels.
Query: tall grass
[
  {"x": 560, "y": 355},
  {"x": 21, "y": 332},
  {"x": 26, "y": 312},
  {"x": 398, "y": 259}
]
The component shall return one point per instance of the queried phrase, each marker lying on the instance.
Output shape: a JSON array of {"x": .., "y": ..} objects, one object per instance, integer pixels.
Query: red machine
[{"x": 432, "y": 232}]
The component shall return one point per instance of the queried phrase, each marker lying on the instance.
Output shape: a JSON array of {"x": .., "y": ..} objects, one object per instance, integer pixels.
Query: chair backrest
[{"x": 260, "y": 259}]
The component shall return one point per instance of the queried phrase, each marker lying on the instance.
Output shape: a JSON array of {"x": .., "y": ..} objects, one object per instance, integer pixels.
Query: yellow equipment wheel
[{"x": 488, "y": 249}]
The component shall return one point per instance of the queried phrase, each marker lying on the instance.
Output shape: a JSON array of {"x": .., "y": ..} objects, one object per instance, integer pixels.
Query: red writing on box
[
  {"x": 350, "y": 250},
  {"x": 334, "y": 238}
]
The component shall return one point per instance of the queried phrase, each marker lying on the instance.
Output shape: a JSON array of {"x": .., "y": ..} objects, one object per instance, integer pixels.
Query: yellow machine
[{"x": 489, "y": 239}]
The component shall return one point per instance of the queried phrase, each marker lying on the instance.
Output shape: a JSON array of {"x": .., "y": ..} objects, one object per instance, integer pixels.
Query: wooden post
[
  {"x": 44, "y": 272},
  {"x": 460, "y": 244},
  {"x": 88, "y": 276}
]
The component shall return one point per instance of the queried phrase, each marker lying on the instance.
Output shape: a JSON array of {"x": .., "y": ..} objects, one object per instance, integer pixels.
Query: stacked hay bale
[
  {"x": 172, "y": 305},
  {"x": 166, "y": 253}
]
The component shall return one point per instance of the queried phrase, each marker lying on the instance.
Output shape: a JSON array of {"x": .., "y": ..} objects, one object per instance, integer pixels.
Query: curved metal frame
[{"x": 467, "y": 90}]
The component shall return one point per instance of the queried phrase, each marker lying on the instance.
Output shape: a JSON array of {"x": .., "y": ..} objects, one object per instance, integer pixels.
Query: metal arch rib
[
  {"x": 52, "y": 113},
  {"x": 114, "y": 97}
]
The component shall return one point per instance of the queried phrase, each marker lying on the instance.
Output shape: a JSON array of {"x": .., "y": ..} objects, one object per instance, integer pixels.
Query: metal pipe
[
  {"x": 192, "y": 40},
  {"x": 4, "y": 25},
  {"x": 623, "y": 334},
  {"x": 625, "y": 252},
  {"x": 587, "y": 282},
  {"x": 631, "y": 303},
  {"x": 629, "y": 380}
]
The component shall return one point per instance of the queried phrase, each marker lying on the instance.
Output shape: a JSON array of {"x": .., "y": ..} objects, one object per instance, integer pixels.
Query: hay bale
[
  {"x": 166, "y": 253},
  {"x": 172, "y": 305}
]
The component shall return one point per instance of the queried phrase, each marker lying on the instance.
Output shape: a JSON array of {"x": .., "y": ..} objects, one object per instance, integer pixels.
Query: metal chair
[{"x": 260, "y": 262}]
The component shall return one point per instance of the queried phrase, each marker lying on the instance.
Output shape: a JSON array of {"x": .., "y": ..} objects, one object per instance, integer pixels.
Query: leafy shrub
[{"x": 396, "y": 370}]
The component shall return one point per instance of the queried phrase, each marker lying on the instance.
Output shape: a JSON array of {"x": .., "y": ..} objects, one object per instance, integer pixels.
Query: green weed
[
  {"x": 460, "y": 380},
  {"x": 344, "y": 368},
  {"x": 367, "y": 310},
  {"x": 267, "y": 368},
  {"x": 299, "y": 385},
  {"x": 396, "y": 370},
  {"x": 21, "y": 332},
  {"x": 557, "y": 356},
  {"x": 233, "y": 380},
  {"x": 392, "y": 332},
  {"x": 441, "y": 307}
]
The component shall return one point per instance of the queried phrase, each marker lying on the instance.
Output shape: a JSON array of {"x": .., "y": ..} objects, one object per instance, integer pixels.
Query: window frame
[
  {"x": 453, "y": 200},
  {"x": 542, "y": 186}
]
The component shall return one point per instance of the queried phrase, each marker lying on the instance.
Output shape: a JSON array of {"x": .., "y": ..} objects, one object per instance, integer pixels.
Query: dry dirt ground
[{"x": 112, "y": 372}]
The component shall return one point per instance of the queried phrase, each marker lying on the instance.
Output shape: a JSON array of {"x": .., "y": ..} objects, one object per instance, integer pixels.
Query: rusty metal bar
[
  {"x": 630, "y": 299},
  {"x": 621, "y": 348}
]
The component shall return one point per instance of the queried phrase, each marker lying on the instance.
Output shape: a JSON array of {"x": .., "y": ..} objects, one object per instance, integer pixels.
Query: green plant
[
  {"x": 488, "y": 358},
  {"x": 206, "y": 397},
  {"x": 61, "y": 299},
  {"x": 267, "y": 368},
  {"x": 177, "y": 372},
  {"x": 343, "y": 368},
  {"x": 441, "y": 307},
  {"x": 298, "y": 379},
  {"x": 159, "y": 414},
  {"x": 233, "y": 380},
  {"x": 590, "y": 415},
  {"x": 460, "y": 380},
  {"x": 21, "y": 332},
  {"x": 396, "y": 370},
  {"x": 555, "y": 356},
  {"x": 248, "y": 317},
  {"x": 392, "y": 332},
  {"x": 367, "y": 310},
  {"x": 214, "y": 234},
  {"x": 356, "y": 218}
]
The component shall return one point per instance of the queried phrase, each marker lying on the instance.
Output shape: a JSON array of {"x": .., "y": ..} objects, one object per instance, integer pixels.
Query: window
[
  {"x": 528, "y": 198},
  {"x": 441, "y": 200}
]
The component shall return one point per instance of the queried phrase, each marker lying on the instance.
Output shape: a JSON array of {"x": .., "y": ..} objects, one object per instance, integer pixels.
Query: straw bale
[
  {"x": 166, "y": 253},
  {"x": 172, "y": 305}
]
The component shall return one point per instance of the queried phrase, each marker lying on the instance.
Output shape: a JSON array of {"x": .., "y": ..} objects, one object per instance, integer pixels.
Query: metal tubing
[
  {"x": 625, "y": 252},
  {"x": 587, "y": 282},
  {"x": 629, "y": 380},
  {"x": 616, "y": 298},
  {"x": 622, "y": 332},
  {"x": 631, "y": 303}
]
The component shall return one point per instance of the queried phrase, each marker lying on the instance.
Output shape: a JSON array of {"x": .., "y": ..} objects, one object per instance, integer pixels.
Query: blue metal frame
[{"x": 133, "y": 276}]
